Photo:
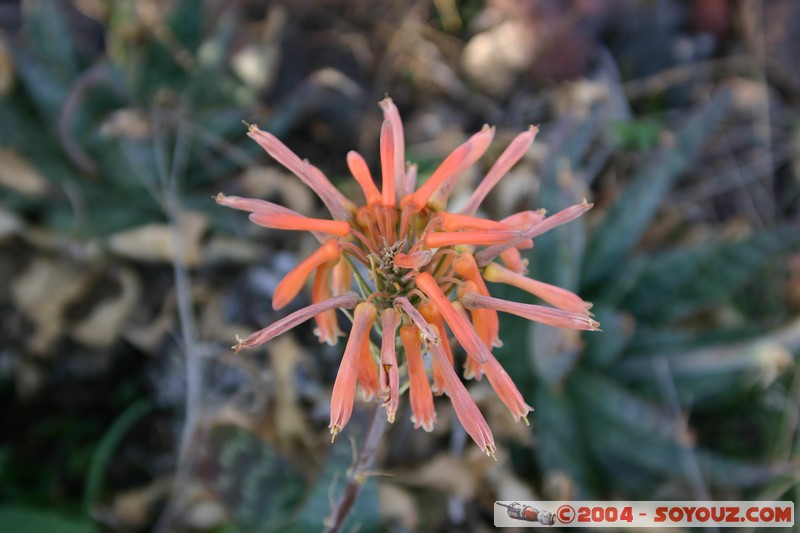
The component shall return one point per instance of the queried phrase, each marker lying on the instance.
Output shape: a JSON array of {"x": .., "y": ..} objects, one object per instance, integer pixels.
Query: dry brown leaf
[
  {"x": 101, "y": 328},
  {"x": 221, "y": 248},
  {"x": 134, "y": 508},
  {"x": 205, "y": 515},
  {"x": 129, "y": 123},
  {"x": 18, "y": 175},
  {"x": 507, "y": 486},
  {"x": 155, "y": 243},
  {"x": 447, "y": 473},
  {"x": 42, "y": 292},
  {"x": 148, "y": 337},
  {"x": 398, "y": 505}
]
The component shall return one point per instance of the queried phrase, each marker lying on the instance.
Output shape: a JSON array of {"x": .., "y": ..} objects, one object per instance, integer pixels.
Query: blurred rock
[
  {"x": 493, "y": 59},
  {"x": 398, "y": 506}
]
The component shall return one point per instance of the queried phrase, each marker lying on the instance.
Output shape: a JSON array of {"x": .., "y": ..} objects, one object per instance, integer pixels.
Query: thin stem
[
  {"x": 168, "y": 177},
  {"x": 359, "y": 473}
]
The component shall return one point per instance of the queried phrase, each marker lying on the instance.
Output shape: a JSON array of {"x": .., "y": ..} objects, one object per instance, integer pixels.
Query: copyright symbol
[{"x": 565, "y": 514}]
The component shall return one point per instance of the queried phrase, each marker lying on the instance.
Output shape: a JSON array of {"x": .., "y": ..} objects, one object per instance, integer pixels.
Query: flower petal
[
  {"x": 434, "y": 318},
  {"x": 344, "y": 388},
  {"x": 480, "y": 143},
  {"x": 460, "y": 327},
  {"x": 452, "y": 165},
  {"x": 486, "y": 322},
  {"x": 360, "y": 171},
  {"x": 340, "y": 207},
  {"x": 368, "y": 371},
  {"x": 327, "y": 329},
  {"x": 428, "y": 333},
  {"x": 301, "y": 223},
  {"x": 561, "y": 298},
  {"x": 342, "y": 277},
  {"x": 537, "y": 313},
  {"x": 485, "y": 256},
  {"x": 387, "y": 164},
  {"x": 421, "y": 398},
  {"x": 524, "y": 219},
  {"x": 414, "y": 260},
  {"x": 389, "y": 375},
  {"x": 293, "y": 282},
  {"x": 440, "y": 239},
  {"x": 507, "y": 159},
  {"x": 391, "y": 114},
  {"x": 343, "y": 301},
  {"x": 514, "y": 261},
  {"x": 508, "y": 393},
  {"x": 456, "y": 222},
  {"x": 467, "y": 412}
]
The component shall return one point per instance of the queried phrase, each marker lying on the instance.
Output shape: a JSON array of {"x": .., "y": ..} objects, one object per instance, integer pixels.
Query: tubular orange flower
[
  {"x": 391, "y": 115},
  {"x": 561, "y": 298},
  {"x": 360, "y": 170},
  {"x": 334, "y": 227},
  {"x": 466, "y": 267},
  {"x": 514, "y": 261},
  {"x": 456, "y": 222},
  {"x": 344, "y": 301},
  {"x": 479, "y": 143},
  {"x": 420, "y": 270},
  {"x": 434, "y": 318},
  {"x": 524, "y": 219},
  {"x": 387, "y": 164},
  {"x": 339, "y": 206},
  {"x": 507, "y": 159},
  {"x": 390, "y": 377},
  {"x": 368, "y": 378},
  {"x": 467, "y": 412},
  {"x": 419, "y": 388},
  {"x": 537, "y": 313},
  {"x": 506, "y": 390},
  {"x": 414, "y": 260},
  {"x": 327, "y": 329},
  {"x": 344, "y": 388},
  {"x": 290, "y": 285},
  {"x": 462, "y": 329},
  {"x": 477, "y": 238},
  {"x": 562, "y": 217},
  {"x": 449, "y": 167}
]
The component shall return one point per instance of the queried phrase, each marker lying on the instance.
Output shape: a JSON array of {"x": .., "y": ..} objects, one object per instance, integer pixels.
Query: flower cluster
[{"x": 420, "y": 270}]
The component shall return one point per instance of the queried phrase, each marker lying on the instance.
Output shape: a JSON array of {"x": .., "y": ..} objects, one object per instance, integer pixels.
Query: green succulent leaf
[
  {"x": 560, "y": 437},
  {"x": 628, "y": 218},
  {"x": 673, "y": 285},
  {"x": 23, "y": 519}
]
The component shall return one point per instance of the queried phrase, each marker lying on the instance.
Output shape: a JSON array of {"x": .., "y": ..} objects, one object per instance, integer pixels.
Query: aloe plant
[{"x": 618, "y": 416}]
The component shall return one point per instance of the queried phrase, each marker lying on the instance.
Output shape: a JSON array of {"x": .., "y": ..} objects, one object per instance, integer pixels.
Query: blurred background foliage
[{"x": 125, "y": 284}]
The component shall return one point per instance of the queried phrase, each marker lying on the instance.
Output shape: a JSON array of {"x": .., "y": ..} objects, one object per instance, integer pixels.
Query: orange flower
[
  {"x": 390, "y": 376},
  {"x": 344, "y": 388},
  {"x": 419, "y": 389},
  {"x": 421, "y": 271}
]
